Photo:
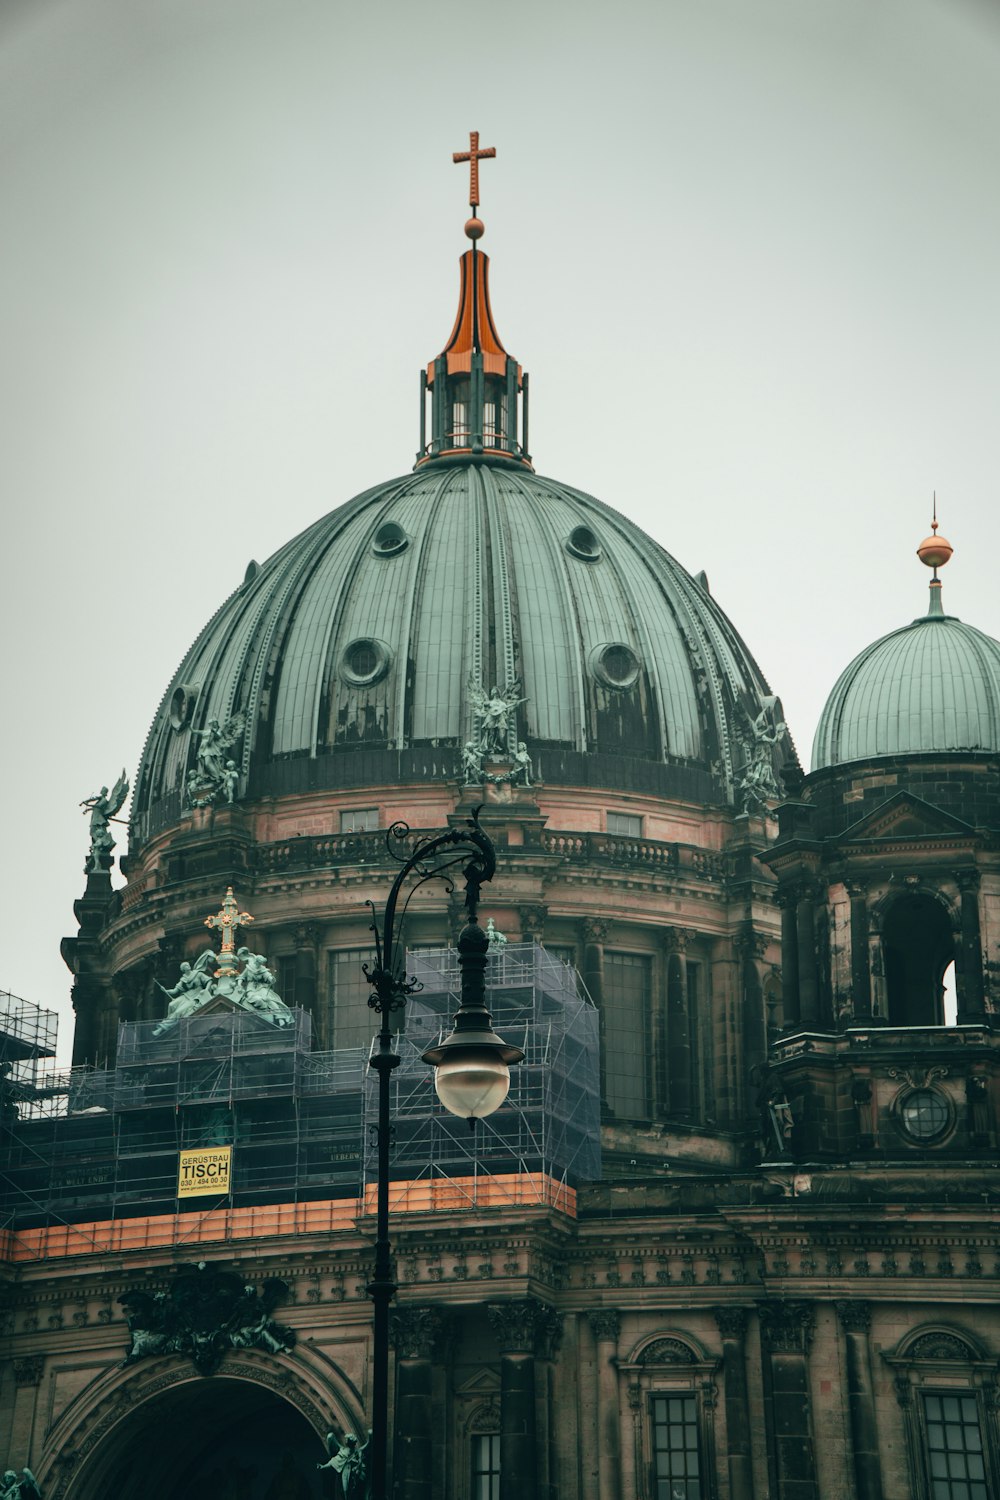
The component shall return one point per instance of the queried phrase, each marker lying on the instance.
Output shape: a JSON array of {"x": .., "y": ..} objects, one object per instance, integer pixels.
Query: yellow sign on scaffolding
[{"x": 207, "y": 1171}]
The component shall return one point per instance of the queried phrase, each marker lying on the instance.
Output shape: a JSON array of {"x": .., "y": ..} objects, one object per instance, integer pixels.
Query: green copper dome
[
  {"x": 932, "y": 686},
  {"x": 353, "y": 656}
]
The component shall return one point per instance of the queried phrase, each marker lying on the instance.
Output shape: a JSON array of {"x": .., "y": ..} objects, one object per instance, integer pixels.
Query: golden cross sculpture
[
  {"x": 227, "y": 920},
  {"x": 474, "y": 156}
]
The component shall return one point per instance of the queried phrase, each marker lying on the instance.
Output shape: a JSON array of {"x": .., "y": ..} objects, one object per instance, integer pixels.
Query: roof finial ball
[{"x": 934, "y": 551}]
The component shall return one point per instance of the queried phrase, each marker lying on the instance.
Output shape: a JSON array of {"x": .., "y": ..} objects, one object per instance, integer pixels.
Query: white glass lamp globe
[{"x": 472, "y": 1082}]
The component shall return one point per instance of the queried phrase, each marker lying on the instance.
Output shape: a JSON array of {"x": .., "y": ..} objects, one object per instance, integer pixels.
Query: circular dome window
[
  {"x": 617, "y": 666},
  {"x": 925, "y": 1114},
  {"x": 390, "y": 540},
  {"x": 364, "y": 661},
  {"x": 182, "y": 701},
  {"x": 583, "y": 544}
]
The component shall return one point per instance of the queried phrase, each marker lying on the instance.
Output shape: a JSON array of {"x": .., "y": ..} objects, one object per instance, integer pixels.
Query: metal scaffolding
[
  {"x": 103, "y": 1143},
  {"x": 551, "y": 1120}
]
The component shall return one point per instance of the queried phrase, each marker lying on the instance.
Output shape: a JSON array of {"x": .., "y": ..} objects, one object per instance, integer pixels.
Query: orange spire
[{"x": 478, "y": 392}]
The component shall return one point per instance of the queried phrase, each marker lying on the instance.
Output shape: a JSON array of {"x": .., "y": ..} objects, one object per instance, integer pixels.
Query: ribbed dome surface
[
  {"x": 932, "y": 686},
  {"x": 365, "y": 632}
]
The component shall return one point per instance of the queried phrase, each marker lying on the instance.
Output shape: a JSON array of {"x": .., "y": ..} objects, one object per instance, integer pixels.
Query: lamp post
[{"x": 472, "y": 1064}]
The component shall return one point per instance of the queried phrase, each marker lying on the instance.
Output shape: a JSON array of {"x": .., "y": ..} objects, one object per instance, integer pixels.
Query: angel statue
[
  {"x": 214, "y": 773},
  {"x": 103, "y": 807},
  {"x": 192, "y": 989},
  {"x": 348, "y": 1460},
  {"x": 23, "y": 1488},
  {"x": 759, "y": 781},
  {"x": 495, "y": 711}
]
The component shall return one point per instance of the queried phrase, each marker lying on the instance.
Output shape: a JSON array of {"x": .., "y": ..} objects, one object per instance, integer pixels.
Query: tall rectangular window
[
  {"x": 359, "y": 820},
  {"x": 354, "y": 1022},
  {"x": 955, "y": 1461},
  {"x": 486, "y": 1466},
  {"x": 286, "y": 978},
  {"x": 625, "y": 1034},
  {"x": 676, "y": 1461}
]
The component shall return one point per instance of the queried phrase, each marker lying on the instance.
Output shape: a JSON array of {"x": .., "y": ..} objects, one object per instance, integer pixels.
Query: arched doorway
[
  {"x": 220, "y": 1438},
  {"x": 918, "y": 946}
]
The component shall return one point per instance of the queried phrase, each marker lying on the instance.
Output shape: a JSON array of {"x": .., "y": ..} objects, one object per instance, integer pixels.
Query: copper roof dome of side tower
[
  {"x": 931, "y": 686},
  {"x": 358, "y": 654}
]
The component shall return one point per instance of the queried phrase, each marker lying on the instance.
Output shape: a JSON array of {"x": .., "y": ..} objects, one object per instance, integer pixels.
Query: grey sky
[{"x": 746, "y": 248}]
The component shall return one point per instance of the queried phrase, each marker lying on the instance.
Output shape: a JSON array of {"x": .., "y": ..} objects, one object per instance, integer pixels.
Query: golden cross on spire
[
  {"x": 227, "y": 921},
  {"x": 474, "y": 156}
]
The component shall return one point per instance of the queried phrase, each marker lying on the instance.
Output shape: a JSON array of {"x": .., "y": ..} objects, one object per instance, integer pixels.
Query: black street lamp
[{"x": 472, "y": 1064}]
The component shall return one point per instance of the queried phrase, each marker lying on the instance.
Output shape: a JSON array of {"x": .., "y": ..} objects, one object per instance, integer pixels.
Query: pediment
[
  {"x": 484, "y": 1383},
  {"x": 905, "y": 816}
]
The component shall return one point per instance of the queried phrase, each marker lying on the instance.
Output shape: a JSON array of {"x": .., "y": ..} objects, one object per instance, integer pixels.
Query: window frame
[
  {"x": 672, "y": 1364},
  {"x": 941, "y": 1360},
  {"x": 493, "y": 1473},
  {"x": 620, "y": 833},
  {"x": 350, "y": 812}
]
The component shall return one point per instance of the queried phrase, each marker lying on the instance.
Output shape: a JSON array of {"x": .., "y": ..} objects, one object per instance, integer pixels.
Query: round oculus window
[
  {"x": 182, "y": 701},
  {"x": 390, "y": 540},
  {"x": 616, "y": 666},
  {"x": 583, "y": 544},
  {"x": 925, "y": 1114},
  {"x": 364, "y": 661}
]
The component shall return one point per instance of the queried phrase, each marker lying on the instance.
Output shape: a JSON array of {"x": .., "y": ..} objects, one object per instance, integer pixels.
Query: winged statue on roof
[
  {"x": 763, "y": 736},
  {"x": 103, "y": 807},
  {"x": 23, "y": 1486},
  {"x": 494, "y": 711},
  {"x": 215, "y": 774}
]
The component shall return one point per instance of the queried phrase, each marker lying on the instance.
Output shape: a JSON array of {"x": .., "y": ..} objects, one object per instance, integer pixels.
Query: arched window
[
  {"x": 672, "y": 1391},
  {"x": 483, "y": 1428},
  {"x": 918, "y": 946},
  {"x": 947, "y": 1390}
]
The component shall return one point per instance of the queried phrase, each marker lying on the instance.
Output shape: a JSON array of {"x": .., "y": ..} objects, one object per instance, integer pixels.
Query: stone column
[
  {"x": 27, "y": 1378},
  {"x": 790, "y": 1007},
  {"x": 732, "y": 1323},
  {"x": 595, "y": 935},
  {"x": 969, "y": 969},
  {"x": 855, "y": 1318},
  {"x": 606, "y": 1325},
  {"x": 515, "y": 1325},
  {"x": 861, "y": 979},
  {"x": 415, "y": 1333},
  {"x": 548, "y": 1338},
  {"x": 751, "y": 947},
  {"x": 306, "y": 936},
  {"x": 532, "y": 923},
  {"x": 679, "y": 1052},
  {"x": 805, "y": 929},
  {"x": 786, "y": 1330}
]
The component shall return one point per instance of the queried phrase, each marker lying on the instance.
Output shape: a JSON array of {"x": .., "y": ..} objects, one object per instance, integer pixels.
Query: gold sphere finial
[{"x": 934, "y": 551}]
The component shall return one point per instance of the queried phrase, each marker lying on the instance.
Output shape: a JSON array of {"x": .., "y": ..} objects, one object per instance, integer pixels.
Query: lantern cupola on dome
[{"x": 478, "y": 393}]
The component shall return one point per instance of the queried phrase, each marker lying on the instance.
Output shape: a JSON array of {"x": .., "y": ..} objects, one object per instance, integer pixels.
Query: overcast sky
[{"x": 748, "y": 250}]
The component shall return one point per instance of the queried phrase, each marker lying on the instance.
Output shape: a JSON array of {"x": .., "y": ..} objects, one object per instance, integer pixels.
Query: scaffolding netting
[
  {"x": 104, "y": 1142},
  {"x": 551, "y": 1120}
]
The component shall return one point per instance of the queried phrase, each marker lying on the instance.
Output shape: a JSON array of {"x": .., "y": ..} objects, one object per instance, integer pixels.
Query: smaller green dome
[{"x": 932, "y": 686}]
